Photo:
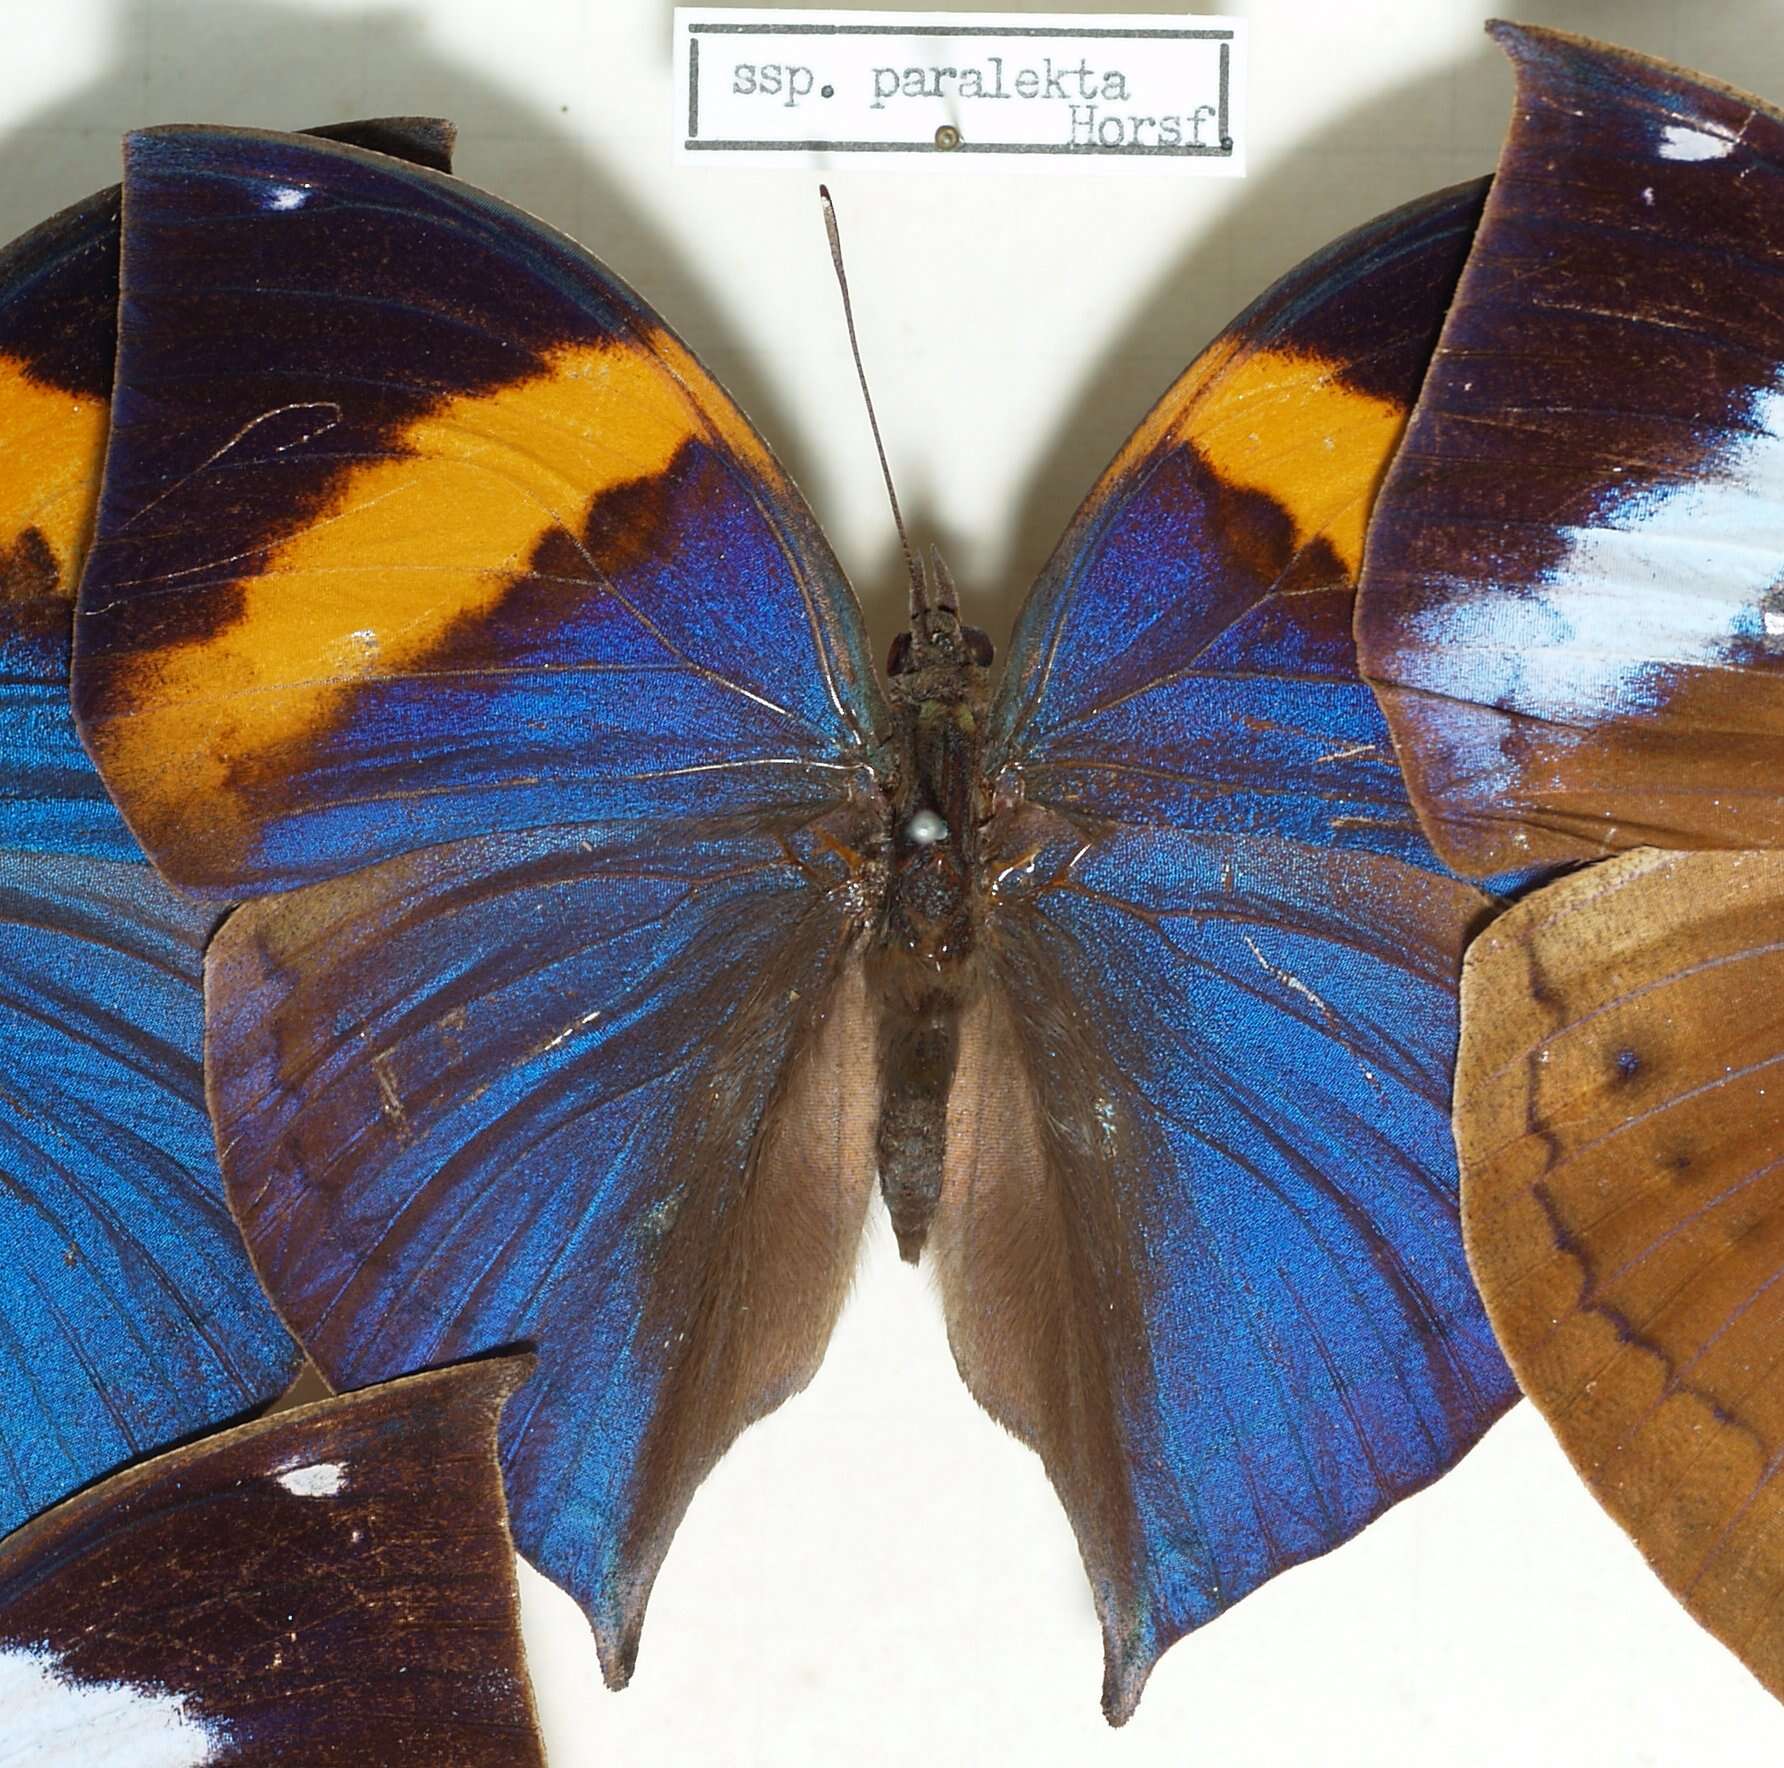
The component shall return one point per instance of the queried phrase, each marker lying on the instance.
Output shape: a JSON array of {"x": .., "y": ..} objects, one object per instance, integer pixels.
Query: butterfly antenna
[{"x": 918, "y": 598}]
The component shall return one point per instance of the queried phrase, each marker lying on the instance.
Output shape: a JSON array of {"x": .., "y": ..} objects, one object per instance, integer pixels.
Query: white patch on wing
[
  {"x": 51, "y": 1721},
  {"x": 324, "y": 1479},
  {"x": 1678, "y": 141},
  {"x": 1669, "y": 576},
  {"x": 286, "y": 196}
]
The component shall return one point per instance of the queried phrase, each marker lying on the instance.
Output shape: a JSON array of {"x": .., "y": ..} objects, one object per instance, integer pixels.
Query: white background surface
[{"x": 877, "y": 1574}]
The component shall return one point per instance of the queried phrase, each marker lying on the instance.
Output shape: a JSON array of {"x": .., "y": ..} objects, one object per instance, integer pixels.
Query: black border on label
[{"x": 1220, "y": 151}]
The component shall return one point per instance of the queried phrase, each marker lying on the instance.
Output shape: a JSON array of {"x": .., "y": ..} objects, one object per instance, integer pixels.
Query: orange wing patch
[
  {"x": 1620, "y": 1120},
  {"x": 52, "y": 444},
  {"x": 1282, "y": 422},
  {"x": 411, "y": 545}
]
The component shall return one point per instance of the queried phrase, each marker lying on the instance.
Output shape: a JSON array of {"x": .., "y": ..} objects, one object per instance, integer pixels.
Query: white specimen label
[{"x": 1057, "y": 91}]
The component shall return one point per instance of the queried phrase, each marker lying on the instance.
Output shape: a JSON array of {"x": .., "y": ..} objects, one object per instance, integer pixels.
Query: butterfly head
[{"x": 937, "y": 640}]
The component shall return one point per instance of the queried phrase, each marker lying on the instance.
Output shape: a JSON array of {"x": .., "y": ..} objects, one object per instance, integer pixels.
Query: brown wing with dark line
[{"x": 1620, "y": 1117}]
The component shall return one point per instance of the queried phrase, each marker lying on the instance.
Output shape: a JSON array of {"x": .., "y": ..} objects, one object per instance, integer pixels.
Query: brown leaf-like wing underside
[
  {"x": 1568, "y": 607},
  {"x": 1620, "y": 1119}
]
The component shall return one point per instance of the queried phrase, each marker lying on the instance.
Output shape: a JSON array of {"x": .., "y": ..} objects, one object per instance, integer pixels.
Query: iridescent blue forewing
[
  {"x": 1218, "y": 1279},
  {"x": 418, "y": 524},
  {"x": 1186, "y": 656}
]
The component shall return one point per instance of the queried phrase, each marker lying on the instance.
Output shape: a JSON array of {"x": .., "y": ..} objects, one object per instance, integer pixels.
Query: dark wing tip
[
  {"x": 425, "y": 142},
  {"x": 1538, "y": 50},
  {"x": 1534, "y": 49},
  {"x": 1532, "y": 43},
  {"x": 1129, "y": 1657},
  {"x": 500, "y": 1376},
  {"x": 1122, "y": 1686},
  {"x": 1523, "y": 40},
  {"x": 483, "y": 1383},
  {"x": 616, "y": 1641}
]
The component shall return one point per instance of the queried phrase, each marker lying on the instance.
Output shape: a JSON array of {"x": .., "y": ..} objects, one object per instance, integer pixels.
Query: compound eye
[
  {"x": 979, "y": 646},
  {"x": 898, "y": 659}
]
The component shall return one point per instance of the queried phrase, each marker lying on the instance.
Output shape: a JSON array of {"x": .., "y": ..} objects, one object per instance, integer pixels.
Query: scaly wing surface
[
  {"x": 1571, "y": 607},
  {"x": 417, "y": 524},
  {"x": 1186, "y": 657},
  {"x": 434, "y": 576},
  {"x": 607, "y": 1095},
  {"x": 334, "y": 1585},
  {"x": 1621, "y": 1126},
  {"x": 1218, "y": 1280},
  {"x": 128, "y": 1309}
]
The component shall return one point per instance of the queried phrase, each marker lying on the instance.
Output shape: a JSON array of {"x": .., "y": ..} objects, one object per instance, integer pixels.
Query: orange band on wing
[
  {"x": 1284, "y": 423},
  {"x": 411, "y": 546},
  {"x": 51, "y": 446}
]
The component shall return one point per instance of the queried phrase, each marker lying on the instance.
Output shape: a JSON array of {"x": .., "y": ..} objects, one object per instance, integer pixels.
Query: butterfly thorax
[
  {"x": 939, "y": 689},
  {"x": 934, "y": 818}
]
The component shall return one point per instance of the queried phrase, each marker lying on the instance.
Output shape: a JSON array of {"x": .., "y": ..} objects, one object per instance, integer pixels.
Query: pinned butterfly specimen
[
  {"x": 332, "y": 1585},
  {"x": 129, "y": 1314},
  {"x": 618, "y": 925},
  {"x": 1620, "y": 1116},
  {"x": 1572, "y": 606}
]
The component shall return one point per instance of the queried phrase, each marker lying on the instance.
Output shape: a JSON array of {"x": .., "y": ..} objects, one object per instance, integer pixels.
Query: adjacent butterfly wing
[
  {"x": 417, "y": 524},
  {"x": 1620, "y": 1122},
  {"x": 129, "y": 1314},
  {"x": 331, "y": 1585},
  {"x": 345, "y": 602},
  {"x": 58, "y": 336},
  {"x": 1218, "y": 1279},
  {"x": 1571, "y": 607},
  {"x": 58, "y": 319}
]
